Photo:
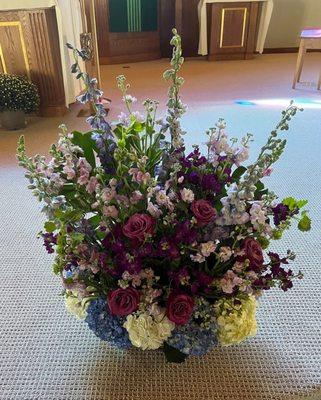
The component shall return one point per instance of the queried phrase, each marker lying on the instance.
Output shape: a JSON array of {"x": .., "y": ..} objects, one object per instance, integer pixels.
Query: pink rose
[
  {"x": 138, "y": 226},
  {"x": 253, "y": 252},
  {"x": 203, "y": 211},
  {"x": 123, "y": 302},
  {"x": 180, "y": 308}
]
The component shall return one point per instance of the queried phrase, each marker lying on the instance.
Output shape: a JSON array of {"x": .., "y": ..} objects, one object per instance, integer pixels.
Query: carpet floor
[{"x": 47, "y": 354}]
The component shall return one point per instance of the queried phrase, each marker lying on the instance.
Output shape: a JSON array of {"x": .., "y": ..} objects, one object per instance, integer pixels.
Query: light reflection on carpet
[{"x": 300, "y": 102}]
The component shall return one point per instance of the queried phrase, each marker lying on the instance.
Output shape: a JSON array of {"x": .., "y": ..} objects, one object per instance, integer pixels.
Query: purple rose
[
  {"x": 123, "y": 302},
  {"x": 179, "y": 308},
  {"x": 203, "y": 211},
  {"x": 139, "y": 226}
]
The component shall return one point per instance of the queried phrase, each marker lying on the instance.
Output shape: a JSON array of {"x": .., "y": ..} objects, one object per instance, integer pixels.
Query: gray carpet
[{"x": 47, "y": 354}]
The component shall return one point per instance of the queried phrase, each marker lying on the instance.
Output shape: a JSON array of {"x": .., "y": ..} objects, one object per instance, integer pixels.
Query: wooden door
[{"x": 233, "y": 30}]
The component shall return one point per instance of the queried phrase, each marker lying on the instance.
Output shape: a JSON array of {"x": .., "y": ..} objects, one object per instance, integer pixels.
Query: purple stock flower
[
  {"x": 194, "y": 178},
  {"x": 49, "y": 240},
  {"x": 184, "y": 233},
  {"x": 168, "y": 249},
  {"x": 281, "y": 213},
  {"x": 210, "y": 182}
]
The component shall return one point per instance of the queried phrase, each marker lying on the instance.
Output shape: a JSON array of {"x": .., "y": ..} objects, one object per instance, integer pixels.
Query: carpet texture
[{"x": 47, "y": 354}]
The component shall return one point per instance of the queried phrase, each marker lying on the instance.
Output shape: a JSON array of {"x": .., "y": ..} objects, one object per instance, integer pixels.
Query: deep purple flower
[
  {"x": 128, "y": 262},
  {"x": 202, "y": 281},
  {"x": 281, "y": 212},
  {"x": 49, "y": 240},
  {"x": 184, "y": 233},
  {"x": 276, "y": 260},
  {"x": 168, "y": 249},
  {"x": 182, "y": 275},
  {"x": 194, "y": 178},
  {"x": 286, "y": 284},
  {"x": 210, "y": 182}
]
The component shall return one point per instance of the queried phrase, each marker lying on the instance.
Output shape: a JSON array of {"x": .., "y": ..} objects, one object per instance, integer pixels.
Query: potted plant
[{"x": 18, "y": 98}]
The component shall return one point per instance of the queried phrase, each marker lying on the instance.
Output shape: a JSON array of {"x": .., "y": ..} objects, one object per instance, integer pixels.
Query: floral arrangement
[
  {"x": 18, "y": 94},
  {"x": 158, "y": 246}
]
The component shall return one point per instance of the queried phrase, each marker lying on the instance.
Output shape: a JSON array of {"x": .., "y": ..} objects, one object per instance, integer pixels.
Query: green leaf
[
  {"x": 259, "y": 186},
  {"x": 301, "y": 203},
  {"x": 50, "y": 226},
  {"x": 238, "y": 173},
  {"x": 264, "y": 242},
  {"x": 173, "y": 355},
  {"x": 290, "y": 202},
  {"x": 95, "y": 220},
  {"x": 87, "y": 144},
  {"x": 305, "y": 223}
]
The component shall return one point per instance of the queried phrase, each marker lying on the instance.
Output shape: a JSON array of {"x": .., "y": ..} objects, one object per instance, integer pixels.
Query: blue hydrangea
[
  {"x": 106, "y": 326},
  {"x": 192, "y": 339}
]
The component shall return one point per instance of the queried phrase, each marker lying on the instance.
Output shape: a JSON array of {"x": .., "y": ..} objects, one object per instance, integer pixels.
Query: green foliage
[
  {"x": 305, "y": 223},
  {"x": 87, "y": 144},
  {"x": 294, "y": 204},
  {"x": 264, "y": 242},
  {"x": 50, "y": 226},
  {"x": 236, "y": 176},
  {"x": 17, "y": 93}
]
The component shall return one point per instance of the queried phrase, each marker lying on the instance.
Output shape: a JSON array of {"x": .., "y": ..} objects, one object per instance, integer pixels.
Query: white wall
[{"x": 289, "y": 18}]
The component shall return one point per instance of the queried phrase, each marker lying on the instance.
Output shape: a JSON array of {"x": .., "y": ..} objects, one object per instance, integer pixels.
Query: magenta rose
[
  {"x": 179, "y": 308},
  {"x": 138, "y": 226},
  {"x": 123, "y": 302},
  {"x": 253, "y": 252},
  {"x": 203, "y": 211}
]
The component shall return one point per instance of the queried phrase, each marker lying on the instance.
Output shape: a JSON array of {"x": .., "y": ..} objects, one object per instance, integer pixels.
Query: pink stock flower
[
  {"x": 139, "y": 176},
  {"x": 108, "y": 194},
  {"x": 229, "y": 282},
  {"x": 154, "y": 210},
  {"x": 267, "y": 171},
  {"x": 187, "y": 195},
  {"x": 110, "y": 211},
  {"x": 92, "y": 185},
  {"x": 136, "y": 197}
]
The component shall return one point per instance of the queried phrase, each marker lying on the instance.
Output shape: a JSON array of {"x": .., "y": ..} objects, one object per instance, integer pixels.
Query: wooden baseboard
[
  {"x": 53, "y": 111},
  {"x": 227, "y": 57},
  {"x": 287, "y": 50},
  {"x": 130, "y": 58}
]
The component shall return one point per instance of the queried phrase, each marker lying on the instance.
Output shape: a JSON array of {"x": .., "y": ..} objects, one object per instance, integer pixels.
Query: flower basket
[
  {"x": 157, "y": 245},
  {"x": 18, "y": 97}
]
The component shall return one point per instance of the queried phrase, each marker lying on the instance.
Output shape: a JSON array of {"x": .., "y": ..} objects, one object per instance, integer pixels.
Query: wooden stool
[{"x": 310, "y": 39}]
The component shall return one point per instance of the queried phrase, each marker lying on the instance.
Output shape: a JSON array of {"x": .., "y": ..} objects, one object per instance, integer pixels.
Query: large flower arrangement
[{"x": 158, "y": 246}]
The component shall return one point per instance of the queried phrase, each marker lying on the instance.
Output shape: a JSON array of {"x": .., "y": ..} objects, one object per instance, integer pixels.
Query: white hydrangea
[
  {"x": 76, "y": 307},
  {"x": 147, "y": 332}
]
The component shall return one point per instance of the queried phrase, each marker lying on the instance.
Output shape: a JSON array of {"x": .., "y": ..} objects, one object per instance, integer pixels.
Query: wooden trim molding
[
  {"x": 287, "y": 50},
  {"x": 224, "y": 12}
]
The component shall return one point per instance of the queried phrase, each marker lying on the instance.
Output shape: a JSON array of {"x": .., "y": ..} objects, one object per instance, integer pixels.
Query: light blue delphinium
[{"x": 107, "y": 326}]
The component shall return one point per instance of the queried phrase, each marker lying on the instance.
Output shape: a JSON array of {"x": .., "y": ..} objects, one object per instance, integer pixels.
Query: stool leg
[
  {"x": 319, "y": 83},
  {"x": 299, "y": 64}
]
